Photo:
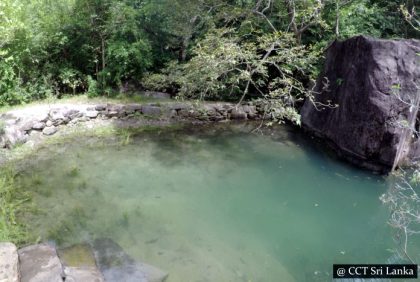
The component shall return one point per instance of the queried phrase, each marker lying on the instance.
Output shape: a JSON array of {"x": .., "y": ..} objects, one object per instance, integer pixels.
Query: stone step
[
  {"x": 79, "y": 264},
  {"x": 82, "y": 274},
  {"x": 116, "y": 265},
  {"x": 9, "y": 263},
  {"x": 40, "y": 263}
]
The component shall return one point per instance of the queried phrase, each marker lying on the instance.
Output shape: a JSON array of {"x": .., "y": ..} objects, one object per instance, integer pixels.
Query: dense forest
[{"x": 205, "y": 49}]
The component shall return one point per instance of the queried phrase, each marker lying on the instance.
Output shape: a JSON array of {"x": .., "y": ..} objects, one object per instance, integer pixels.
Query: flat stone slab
[
  {"x": 9, "y": 261},
  {"x": 82, "y": 274},
  {"x": 79, "y": 264},
  {"x": 40, "y": 263},
  {"x": 116, "y": 265},
  {"x": 80, "y": 255}
]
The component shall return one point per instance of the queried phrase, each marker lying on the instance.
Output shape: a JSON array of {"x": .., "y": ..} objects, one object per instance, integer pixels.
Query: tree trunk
[
  {"x": 337, "y": 19},
  {"x": 184, "y": 47},
  {"x": 103, "y": 61},
  {"x": 103, "y": 52},
  {"x": 292, "y": 18}
]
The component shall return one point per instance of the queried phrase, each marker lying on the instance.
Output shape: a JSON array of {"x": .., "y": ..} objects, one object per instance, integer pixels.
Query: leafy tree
[{"x": 214, "y": 49}]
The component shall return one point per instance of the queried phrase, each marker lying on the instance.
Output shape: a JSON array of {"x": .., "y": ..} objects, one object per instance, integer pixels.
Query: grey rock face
[
  {"x": 364, "y": 75},
  {"x": 40, "y": 263},
  {"x": 50, "y": 130},
  {"x": 116, "y": 265},
  {"x": 9, "y": 261}
]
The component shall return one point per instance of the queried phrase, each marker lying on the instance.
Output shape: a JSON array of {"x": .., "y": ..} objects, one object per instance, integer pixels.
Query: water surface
[{"x": 215, "y": 204}]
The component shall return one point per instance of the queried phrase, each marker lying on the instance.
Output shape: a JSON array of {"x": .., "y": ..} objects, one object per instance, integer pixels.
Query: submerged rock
[
  {"x": 40, "y": 263},
  {"x": 116, "y": 265},
  {"x": 9, "y": 263},
  {"x": 82, "y": 274},
  {"x": 79, "y": 264},
  {"x": 367, "y": 78}
]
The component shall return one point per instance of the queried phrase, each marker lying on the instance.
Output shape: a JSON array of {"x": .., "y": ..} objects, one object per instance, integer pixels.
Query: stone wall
[{"x": 20, "y": 125}]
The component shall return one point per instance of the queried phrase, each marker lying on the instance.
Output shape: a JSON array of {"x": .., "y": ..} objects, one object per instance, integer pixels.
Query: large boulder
[{"x": 371, "y": 81}]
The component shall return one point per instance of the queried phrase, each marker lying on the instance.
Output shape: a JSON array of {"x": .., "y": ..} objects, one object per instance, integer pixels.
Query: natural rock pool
[{"x": 212, "y": 203}]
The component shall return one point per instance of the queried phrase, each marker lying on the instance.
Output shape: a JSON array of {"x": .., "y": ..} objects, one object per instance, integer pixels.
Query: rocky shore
[
  {"x": 34, "y": 123},
  {"x": 97, "y": 261}
]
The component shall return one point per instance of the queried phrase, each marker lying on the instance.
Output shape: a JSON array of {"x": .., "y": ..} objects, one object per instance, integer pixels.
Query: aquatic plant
[
  {"x": 82, "y": 185},
  {"x": 12, "y": 203},
  {"x": 67, "y": 228},
  {"x": 74, "y": 171},
  {"x": 125, "y": 219},
  {"x": 125, "y": 137},
  {"x": 36, "y": 179}
]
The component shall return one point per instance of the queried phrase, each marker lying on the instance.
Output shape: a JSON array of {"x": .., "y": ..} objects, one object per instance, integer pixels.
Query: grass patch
[
  {"x": 12, "y": 204},
  {"x": 73, "y": 171}
]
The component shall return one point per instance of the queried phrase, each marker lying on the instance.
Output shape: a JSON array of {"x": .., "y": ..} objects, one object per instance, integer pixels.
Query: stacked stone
[{"x": 17, "y": 130}]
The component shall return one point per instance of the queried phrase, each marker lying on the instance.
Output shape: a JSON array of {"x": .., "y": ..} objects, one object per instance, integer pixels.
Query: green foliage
[
  {"x": 411, "y": 16},
  {"x": 403, "y": 200},
  {"x": 93, "y": 90},
  {"x": 211, "y": 49},
  {"x": 70, "y": 78},
  {"x": 224, "y": 66}
]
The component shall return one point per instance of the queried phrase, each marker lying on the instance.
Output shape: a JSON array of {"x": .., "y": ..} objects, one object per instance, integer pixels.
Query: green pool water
[{"x": 213, "y": 203}]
